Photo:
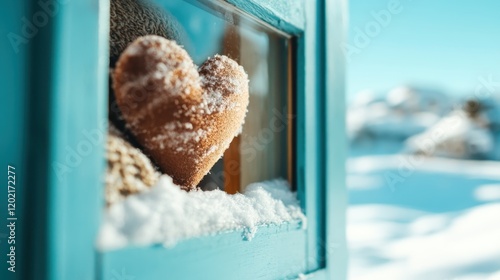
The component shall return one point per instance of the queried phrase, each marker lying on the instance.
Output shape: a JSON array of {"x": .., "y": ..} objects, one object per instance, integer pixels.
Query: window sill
[{"x": 223, "y": 256}]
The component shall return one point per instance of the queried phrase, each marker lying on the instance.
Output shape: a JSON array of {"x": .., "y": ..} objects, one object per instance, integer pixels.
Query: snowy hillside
[{"x": 427, "y": 122}]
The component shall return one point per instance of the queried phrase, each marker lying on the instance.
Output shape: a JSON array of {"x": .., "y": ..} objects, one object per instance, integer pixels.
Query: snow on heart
[{"x": 184, "y": 117}]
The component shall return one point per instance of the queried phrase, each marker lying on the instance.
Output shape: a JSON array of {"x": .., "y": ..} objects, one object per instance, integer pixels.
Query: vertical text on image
[{"x": 11, "y": 218}]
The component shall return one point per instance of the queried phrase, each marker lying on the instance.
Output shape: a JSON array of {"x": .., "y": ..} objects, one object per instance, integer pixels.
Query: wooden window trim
[{"x": 72, "y": 98}]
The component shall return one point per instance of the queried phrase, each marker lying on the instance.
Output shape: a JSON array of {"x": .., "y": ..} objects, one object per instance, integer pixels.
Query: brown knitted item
[
  {"x": 129, "y": 170},
  {"x": 131, "y": 19},
  {"x": 185, "y": 120}
]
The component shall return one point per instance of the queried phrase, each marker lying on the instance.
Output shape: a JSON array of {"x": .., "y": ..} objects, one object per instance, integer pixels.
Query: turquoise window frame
[{"x": 57, "y": 96}]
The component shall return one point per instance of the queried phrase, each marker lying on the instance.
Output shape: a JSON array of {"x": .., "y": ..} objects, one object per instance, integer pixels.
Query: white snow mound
[{"x": 166, "y": 214}]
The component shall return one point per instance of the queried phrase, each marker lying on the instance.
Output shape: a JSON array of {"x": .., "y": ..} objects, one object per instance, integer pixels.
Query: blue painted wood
[
  {"x": 77, "y": 137},
  {"x": 310, "y": 127},
  {"x": 36, "y": 145},
  {"x": 56, "y": 93},
  {"x": 75, "y": 89},
  {"x": 275, "y": 252},
  {"x": 335, "y": 14},
  {"x": 13, "y": 128},
  {"x": 287, "y": 16}
]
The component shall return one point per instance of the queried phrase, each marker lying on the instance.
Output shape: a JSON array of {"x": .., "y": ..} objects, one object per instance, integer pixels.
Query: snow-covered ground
[
  {"x": 420, "y": 218},
  {"x": 420, "y": 207}
]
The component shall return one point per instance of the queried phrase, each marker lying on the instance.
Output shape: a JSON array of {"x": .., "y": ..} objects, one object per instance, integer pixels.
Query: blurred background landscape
[{"x": 423, "y": 120}]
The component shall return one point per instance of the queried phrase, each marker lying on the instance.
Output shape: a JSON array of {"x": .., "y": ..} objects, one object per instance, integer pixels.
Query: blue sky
[{"x": 446, "y": 45}]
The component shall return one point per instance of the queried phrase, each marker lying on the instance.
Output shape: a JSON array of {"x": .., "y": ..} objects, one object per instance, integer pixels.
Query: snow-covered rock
[
  {"x": 426, "y": 121},
  {"x": 412, "y": 100},
  {"x": 456, "y": 136},
  {"x": 404, "y": 112}
]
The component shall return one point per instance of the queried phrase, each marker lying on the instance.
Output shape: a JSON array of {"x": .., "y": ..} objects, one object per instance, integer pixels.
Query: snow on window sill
[{"x": 167, "y": 215}]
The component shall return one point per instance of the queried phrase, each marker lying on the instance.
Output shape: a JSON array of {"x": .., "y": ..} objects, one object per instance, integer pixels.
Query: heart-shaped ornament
[{"x": 184, "y": 117}]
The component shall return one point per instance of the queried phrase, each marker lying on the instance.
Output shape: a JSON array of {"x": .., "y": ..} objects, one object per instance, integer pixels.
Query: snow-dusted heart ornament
[{"x": 184, "y": 117}]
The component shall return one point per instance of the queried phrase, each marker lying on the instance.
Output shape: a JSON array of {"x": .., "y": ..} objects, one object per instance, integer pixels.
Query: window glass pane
[{"x": 262, "y": 151}]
